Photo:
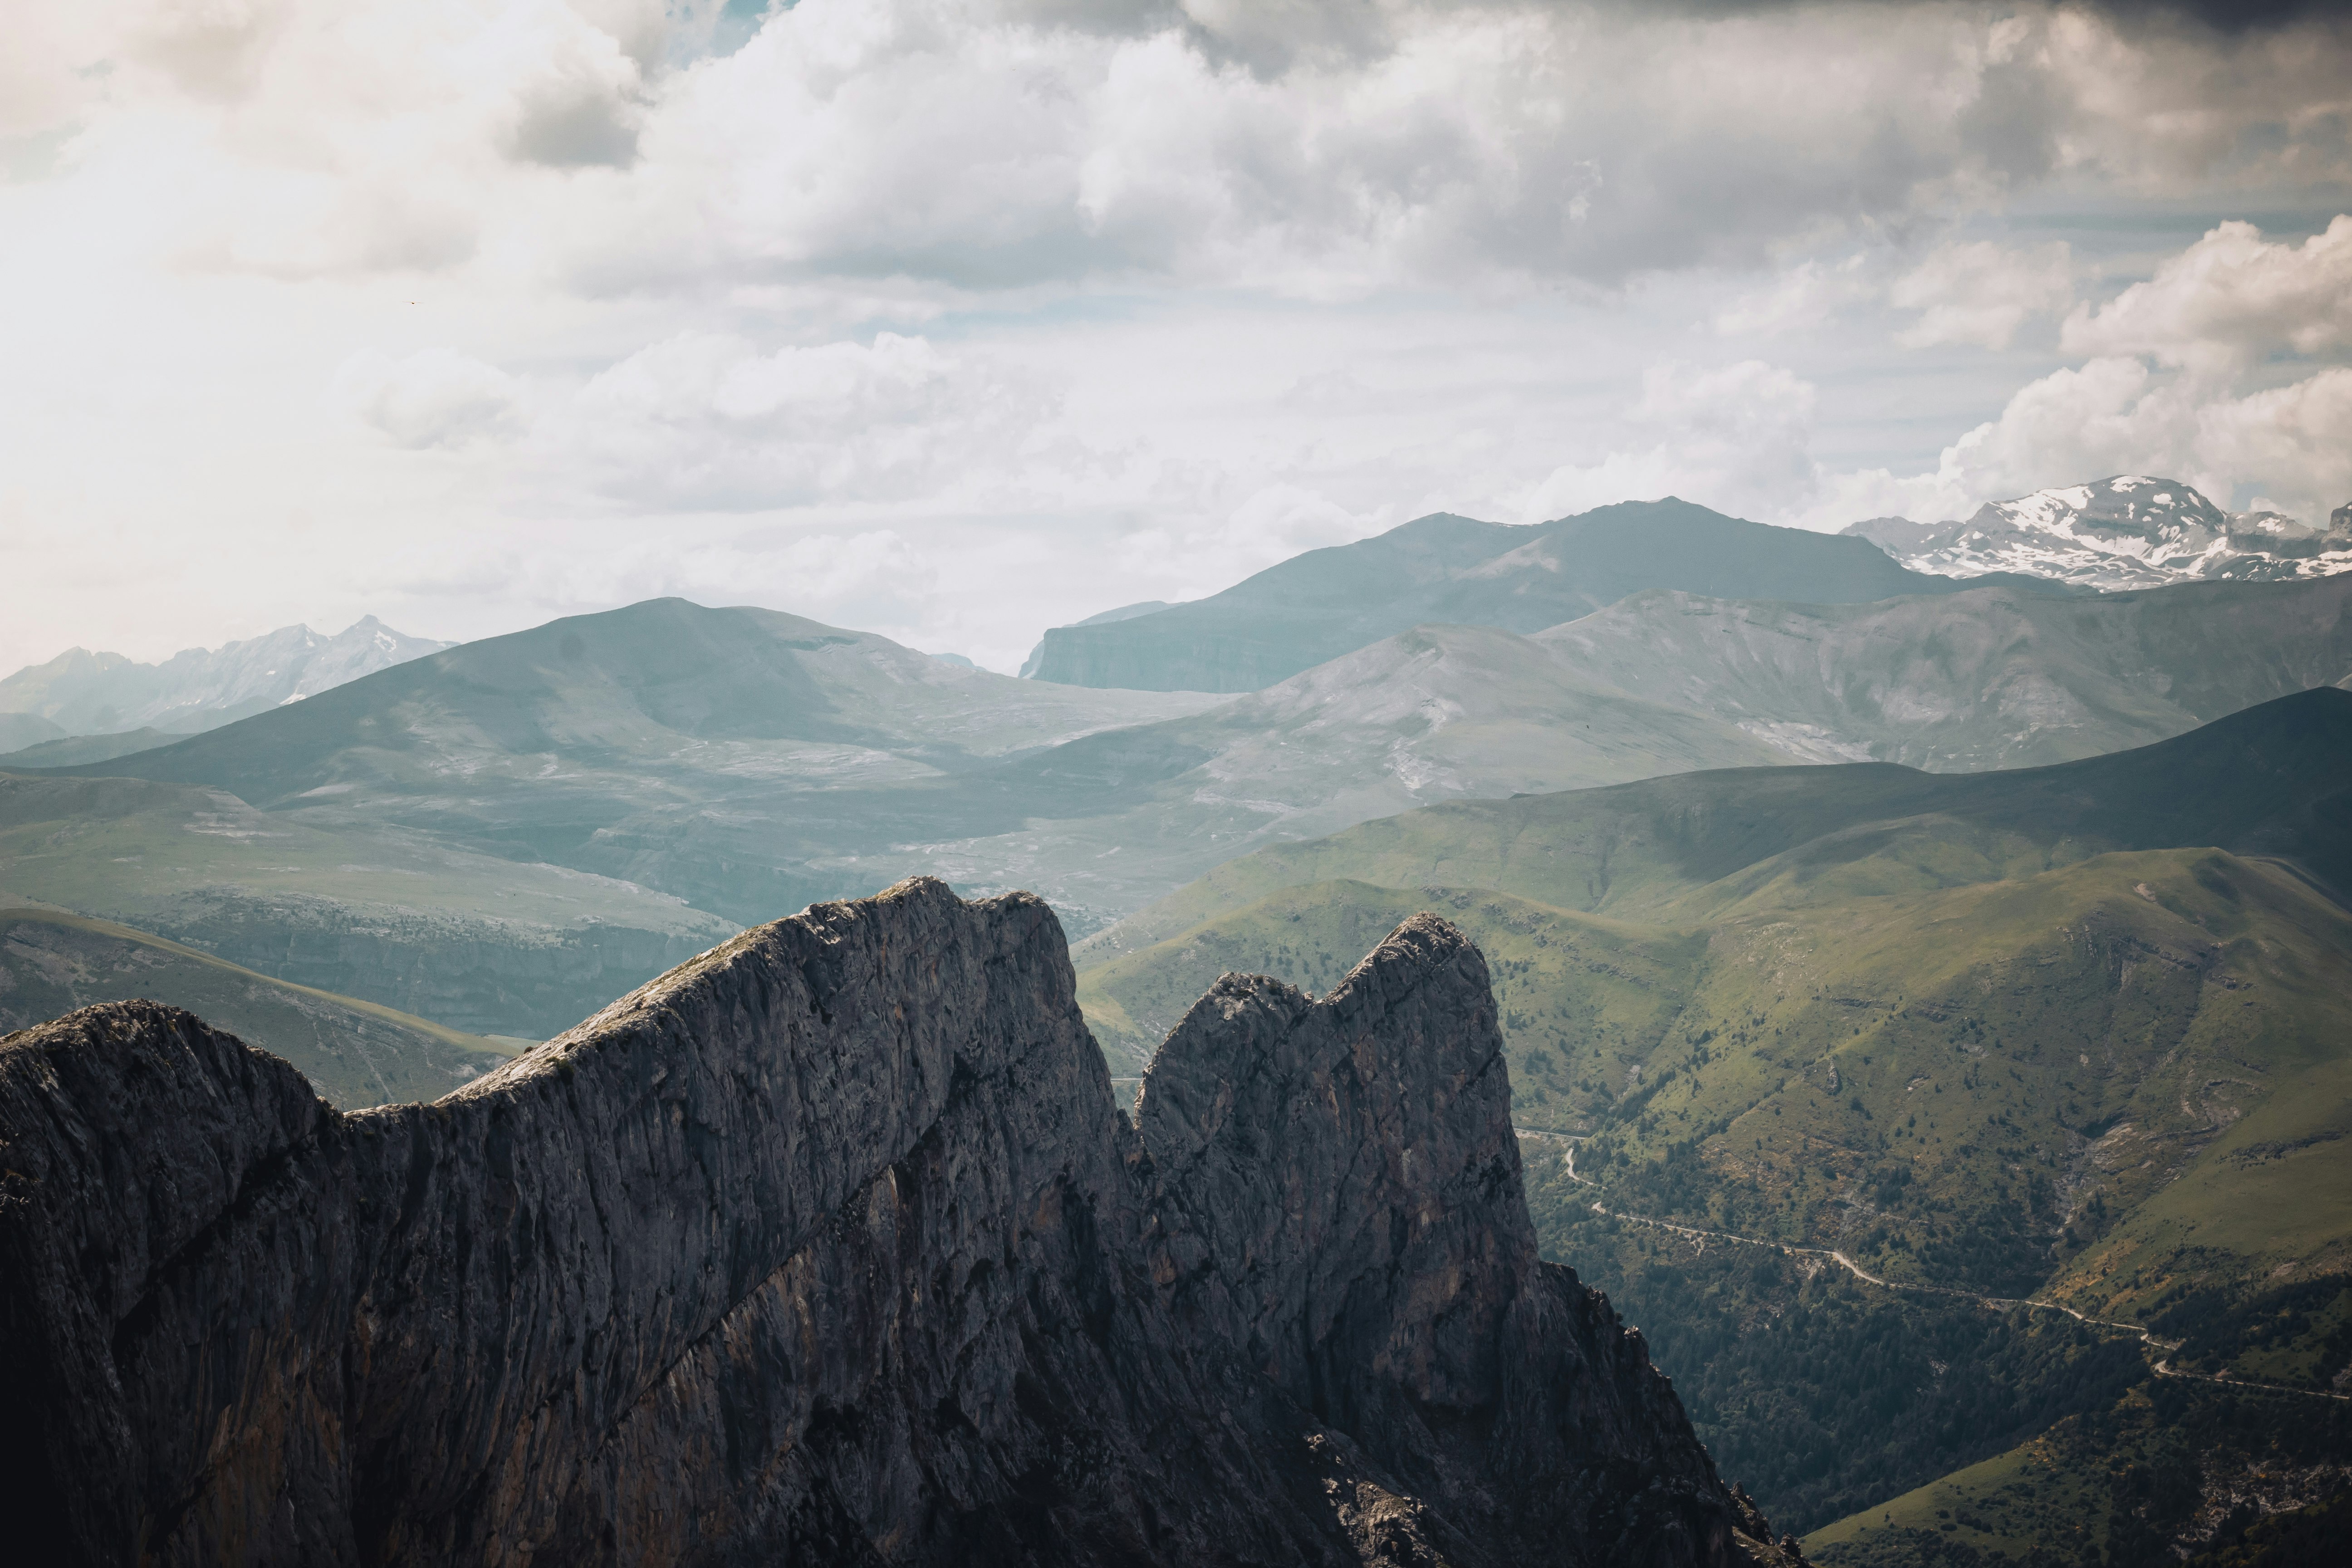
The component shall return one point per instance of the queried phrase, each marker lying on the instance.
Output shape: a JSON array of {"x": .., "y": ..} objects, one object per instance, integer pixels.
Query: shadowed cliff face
[
  {"x": 828, "y": 1246},
  {"x": 1338, "y": 1196}
]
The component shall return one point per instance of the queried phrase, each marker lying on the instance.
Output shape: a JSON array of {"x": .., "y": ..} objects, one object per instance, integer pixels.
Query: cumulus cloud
[
  {"x": 1321, "y": 150},
  {"x": 1087, "y": 296},
  {"x": 1735, "y": 436},
  {"x": 434, "y": 397},
  {"x": 1802, "y": 298},
  {"x": 2228, "y": 301},
  {"x": 1982, "y": 293},
  {"x": 2118, "y": 414},
  {"x": 710, "y": 420}
]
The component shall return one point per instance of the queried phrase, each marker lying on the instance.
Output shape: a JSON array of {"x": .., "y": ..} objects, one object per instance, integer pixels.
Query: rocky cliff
[{"x": 828, "y": 1246}]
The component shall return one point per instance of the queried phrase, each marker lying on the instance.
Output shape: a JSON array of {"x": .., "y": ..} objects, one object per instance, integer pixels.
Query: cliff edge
[{"x": 830, "y": 1246}]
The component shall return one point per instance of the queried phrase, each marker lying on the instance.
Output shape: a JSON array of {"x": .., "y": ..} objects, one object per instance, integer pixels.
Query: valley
[
  {"x": 354, "y": 1053},
  {"x": 1981, "y": 1033},
  {"x": 1042, "y": 784},
  {"x": 1950, "y": 942}
]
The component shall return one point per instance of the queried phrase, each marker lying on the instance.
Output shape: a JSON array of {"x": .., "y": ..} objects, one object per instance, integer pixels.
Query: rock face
[{"x": 828, "y": 1246}]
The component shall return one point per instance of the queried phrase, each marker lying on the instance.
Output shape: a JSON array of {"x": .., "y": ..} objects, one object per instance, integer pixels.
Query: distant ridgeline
[
  {"x": 1448, "y": 570},
  {"x": 2082, "y": 1033},
  {"x": 499, "y": 836},
  {"x": 2128, "y": 532},
  {"x": 89, "y": 707}
]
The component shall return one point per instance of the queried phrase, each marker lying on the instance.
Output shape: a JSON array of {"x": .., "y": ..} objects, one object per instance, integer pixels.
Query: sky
[{"x": 953, "y": 319}]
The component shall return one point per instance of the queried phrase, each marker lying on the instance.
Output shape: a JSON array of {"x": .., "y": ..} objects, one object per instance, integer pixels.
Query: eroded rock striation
[{"x": 830, "y": 1246}]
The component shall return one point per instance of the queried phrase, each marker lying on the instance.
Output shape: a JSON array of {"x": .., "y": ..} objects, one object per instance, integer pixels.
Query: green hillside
[
  {"x": 2121, "y": 1483},
  {"x": 1457, "y": 570},
  {"x": 747, "y": 763},
  {"x": 2080, "y": 1033},
  {"x": 398, "y": 917},
  {"x": 1988, "y": 678},
  {"x": 2269, "y": 782},
  {"x": 74, "y": 750},
  {"x": 354, "y": 1053}
]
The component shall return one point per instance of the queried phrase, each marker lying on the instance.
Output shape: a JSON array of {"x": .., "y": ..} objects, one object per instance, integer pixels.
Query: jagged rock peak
[{"x": 828, "y": 1246}]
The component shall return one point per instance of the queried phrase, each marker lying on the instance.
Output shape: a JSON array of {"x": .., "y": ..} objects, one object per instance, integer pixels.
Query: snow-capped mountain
[
  {"x": 86, "y": 693},
  {"x": 2128, "y": 532}
]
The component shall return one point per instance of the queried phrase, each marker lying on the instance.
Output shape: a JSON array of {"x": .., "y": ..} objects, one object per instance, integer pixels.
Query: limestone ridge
[{"x": 828, "y": 1246}]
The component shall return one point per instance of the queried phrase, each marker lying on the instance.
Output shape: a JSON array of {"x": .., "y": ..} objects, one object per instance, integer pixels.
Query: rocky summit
[
  {"x": 2130, "y": 531},
  {"x": 830, "y": 1246}
]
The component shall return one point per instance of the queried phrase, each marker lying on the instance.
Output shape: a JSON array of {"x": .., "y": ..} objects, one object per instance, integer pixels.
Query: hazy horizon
[{"x": 953, "y": 322}]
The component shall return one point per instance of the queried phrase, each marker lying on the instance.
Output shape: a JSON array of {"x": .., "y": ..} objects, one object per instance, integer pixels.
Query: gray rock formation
[{"x": 828, "y": 1246}]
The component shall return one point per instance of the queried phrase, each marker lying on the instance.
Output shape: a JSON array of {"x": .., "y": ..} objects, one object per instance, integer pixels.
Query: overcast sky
[{"x": 954, "y": 320}]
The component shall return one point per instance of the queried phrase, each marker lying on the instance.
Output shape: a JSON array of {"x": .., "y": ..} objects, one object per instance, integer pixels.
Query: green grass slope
[
  {"x": 74, "y": 750},
  {"x": 354, "y": 1053},
  {"x": 743, "y": 759},
  {"x": 2168, "y": 1467},
  {"x": 397, "y": 917},
  {"x": 1581, "y": 998},
  {"x": 2272, "y": 780},
  {"x": 1989, "y": 677}
]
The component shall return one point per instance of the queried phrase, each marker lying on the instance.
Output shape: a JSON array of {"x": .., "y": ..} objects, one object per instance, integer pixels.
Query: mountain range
[
  {"x": 1989, "y": 677},
  {"x": 1458, "y": 571},
  {"x": 83, "y": 694},
  {"x": 1983, "y": 934},
  {"x": 2127, "y": 531},
  {"x": 666, "y": 772}
]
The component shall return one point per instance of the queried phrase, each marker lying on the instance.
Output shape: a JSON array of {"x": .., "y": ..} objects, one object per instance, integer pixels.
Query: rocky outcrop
[
  {"x": 1336, "y": 1191},
  {"x": 828, "y": 1246}
]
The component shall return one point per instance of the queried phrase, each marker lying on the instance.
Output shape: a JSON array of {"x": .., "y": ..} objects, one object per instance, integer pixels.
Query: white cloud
[
  {"x": 2118, "y": 414},
  {"x": 1062, "y": 302},
  {"x": 708, "y": 420},
  {"x": 1982, "y": 292},
  {"x": 1734, "y": 437},
  {"x": 1801, "y": 299},
  {"x": 434, "y": 397},
  {"x": 1318, "y": 150},
  {"x": 2228, "y": 301}
]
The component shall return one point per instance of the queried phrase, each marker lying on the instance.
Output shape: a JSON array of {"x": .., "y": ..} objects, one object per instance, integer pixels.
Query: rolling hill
[
  {"x": 397, "y": 917},
  {"x": 1117, "y": 819},
  {"x": 1457, "y": 570},
  {"x": 743, "y": 761},
  {"x": 1991, "y": 677},
  {"x": 748, "y": 763},
  {"x": 354, "y": 1053},
  {"x": 2270, "y": 781}
]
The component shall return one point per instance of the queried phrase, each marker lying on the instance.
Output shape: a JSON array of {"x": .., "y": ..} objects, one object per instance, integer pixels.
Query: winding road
[{"x": 1999, "y": 1303}]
